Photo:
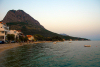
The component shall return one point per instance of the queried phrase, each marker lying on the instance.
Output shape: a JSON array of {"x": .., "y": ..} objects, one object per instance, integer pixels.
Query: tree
[
  {"x": 56, "y": 38},
  {"x": 21, "y": 38},
  {"x": 25, "y": 38},
  {"x": 10, "y": 37},
  {"x": 38, "y": 37},
  {"x": 17, "y": 39}
]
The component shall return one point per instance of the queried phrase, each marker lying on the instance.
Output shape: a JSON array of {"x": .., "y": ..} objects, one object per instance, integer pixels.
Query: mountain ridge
[
  {"x": 20, "y": 16},
  {"x": 63, "y": 34}
]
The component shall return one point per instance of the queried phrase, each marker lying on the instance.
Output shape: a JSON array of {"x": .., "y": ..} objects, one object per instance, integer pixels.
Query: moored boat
[
  {"x": 69, "y": 42},
  {"x": 87, "y": 45},
  {"x": 54, "y": 42}
]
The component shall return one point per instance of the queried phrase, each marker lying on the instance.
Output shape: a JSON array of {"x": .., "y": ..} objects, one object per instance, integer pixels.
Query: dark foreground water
[{"x": 62, "y": 54}]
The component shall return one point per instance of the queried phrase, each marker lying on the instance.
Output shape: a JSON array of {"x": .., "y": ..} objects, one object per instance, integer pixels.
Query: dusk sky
[{"x": 78, "y": 18}]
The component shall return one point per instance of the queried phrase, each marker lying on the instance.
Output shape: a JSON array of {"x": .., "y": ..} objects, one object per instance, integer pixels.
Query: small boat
[
  {"x": 54, "y": 42},
  {"x": 69, "y": 42},
  {"x": 87, "y": 45}
]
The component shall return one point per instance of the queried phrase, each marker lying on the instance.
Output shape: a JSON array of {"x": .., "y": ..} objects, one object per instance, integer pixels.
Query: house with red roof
[{"x": 30, "y": 37}]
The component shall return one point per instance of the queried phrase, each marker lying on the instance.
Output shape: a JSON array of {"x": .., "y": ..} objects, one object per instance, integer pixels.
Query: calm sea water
[{"x": 62, "y": 54}]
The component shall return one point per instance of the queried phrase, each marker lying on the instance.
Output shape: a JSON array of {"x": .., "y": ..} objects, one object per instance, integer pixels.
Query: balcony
[{"x": 5, "y": 28}]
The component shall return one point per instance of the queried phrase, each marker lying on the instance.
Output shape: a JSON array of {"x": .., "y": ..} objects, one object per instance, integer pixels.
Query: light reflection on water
[{"x": 61, "y": 54}]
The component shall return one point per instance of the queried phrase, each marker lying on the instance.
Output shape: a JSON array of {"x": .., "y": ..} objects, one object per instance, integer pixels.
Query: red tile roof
[
  {"x": 1, "y": 22},
  {"x": 29, "y": 36},
  {"x": 19, "y": 30}
]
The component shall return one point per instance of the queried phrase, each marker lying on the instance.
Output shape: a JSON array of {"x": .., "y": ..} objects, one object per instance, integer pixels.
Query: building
[
  {"x": 17, "y": 33},
  {"x": 20, "y": 33},
  {"x": 63, "y": 39},
  {"x": 30, "y": 37},
  {"x": 3, "y": 31}
]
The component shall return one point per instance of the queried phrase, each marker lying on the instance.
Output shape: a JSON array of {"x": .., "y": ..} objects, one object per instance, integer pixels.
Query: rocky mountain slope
[{"x": 20, "y": 16}]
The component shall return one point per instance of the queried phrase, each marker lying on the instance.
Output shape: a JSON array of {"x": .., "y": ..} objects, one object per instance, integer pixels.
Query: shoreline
[
  {"x": 4, "y": 47},
  {"x": 7, "y": 46}
]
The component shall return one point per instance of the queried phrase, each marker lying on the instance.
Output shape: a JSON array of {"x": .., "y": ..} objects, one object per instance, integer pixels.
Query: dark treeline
[{"x": 38, "y": 37}]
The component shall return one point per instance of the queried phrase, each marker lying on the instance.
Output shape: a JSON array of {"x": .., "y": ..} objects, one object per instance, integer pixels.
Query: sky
[{"x": 78, "y": 18}]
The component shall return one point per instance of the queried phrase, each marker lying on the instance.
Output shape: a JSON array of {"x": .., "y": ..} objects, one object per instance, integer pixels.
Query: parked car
[
  {"x": 1, "y": 42},
  {"x": 12, "y": 41}
]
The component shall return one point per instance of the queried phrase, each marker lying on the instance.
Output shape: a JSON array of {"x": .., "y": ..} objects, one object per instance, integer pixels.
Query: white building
[
  {"x": 3, "y": 31},
  {"x": 15, "y": 32}
]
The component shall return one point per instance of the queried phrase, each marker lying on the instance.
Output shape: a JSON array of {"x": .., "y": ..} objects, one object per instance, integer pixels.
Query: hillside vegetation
[{"x": 29, "y": 29}]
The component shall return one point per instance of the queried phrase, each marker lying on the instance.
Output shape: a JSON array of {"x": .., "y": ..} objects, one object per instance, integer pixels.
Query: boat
[
  {"x": 69, "y": 42},
  {"x": 54, "y": 42},
  {"x": 87, "y": 45}
]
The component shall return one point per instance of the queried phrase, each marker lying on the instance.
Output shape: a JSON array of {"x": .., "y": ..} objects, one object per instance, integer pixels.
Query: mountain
[
  {"x": 63, "y": 34},
  {"x": 20, "y": 16},
  {"x": 20, "y": 20}
]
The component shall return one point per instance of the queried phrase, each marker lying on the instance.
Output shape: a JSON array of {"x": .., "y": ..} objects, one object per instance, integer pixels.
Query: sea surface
[{"x": 61, "y": 54}]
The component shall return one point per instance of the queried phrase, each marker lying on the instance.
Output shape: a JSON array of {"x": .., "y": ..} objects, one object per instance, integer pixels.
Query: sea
[{"x": 61, "y": 54}]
